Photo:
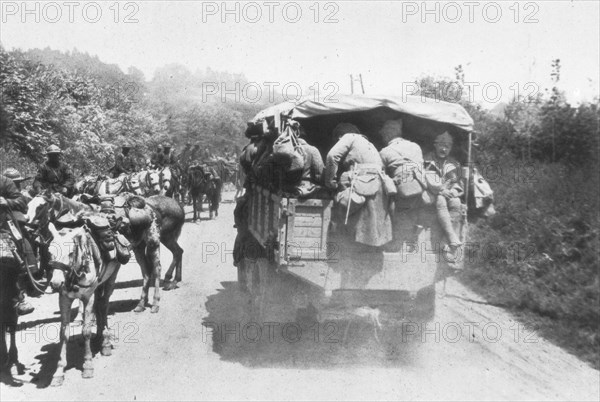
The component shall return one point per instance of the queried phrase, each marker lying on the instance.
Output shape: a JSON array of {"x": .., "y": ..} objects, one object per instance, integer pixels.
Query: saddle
[{"x": 111, "y": 244}]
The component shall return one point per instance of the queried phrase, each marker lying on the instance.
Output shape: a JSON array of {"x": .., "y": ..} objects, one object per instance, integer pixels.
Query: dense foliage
[
  {"x": 539, "y": 254},
  {"x": 90, "y": 108}
]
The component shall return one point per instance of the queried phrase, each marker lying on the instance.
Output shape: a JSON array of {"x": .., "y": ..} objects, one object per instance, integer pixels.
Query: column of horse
[
  {"x": 145, "y": 183},
  {"x": 162, "y": 222}
]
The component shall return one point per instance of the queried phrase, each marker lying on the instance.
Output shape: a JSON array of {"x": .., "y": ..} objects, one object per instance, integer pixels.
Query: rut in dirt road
[{"x": 205, "y": 345}]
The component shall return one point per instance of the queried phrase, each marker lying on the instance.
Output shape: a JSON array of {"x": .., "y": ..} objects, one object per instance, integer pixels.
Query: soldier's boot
[{"x": 22, "y": 306}]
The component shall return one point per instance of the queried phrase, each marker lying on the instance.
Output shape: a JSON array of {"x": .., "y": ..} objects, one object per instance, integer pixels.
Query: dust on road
[{"x": 202, "y": 345}]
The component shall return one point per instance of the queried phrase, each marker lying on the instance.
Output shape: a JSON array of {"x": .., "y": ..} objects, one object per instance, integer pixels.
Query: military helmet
[
  {"x": 53, "y": 149},
  {"x": 444, "y": 138},
  {"x": 13, "y": 174},
  {"x": 125, "y": 146}
]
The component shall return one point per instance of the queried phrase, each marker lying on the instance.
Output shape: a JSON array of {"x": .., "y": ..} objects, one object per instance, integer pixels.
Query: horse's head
[
  {"x": 72, "y": 258},
  {"x": 153, "y": 181},
  {"x": 196, "y": 175},
  {"x": 38, "y": 209},
  {"x": 166, "y": 181},
  {"x": 481, "y": 199}
]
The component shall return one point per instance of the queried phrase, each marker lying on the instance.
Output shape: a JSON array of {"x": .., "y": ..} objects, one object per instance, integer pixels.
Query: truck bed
[{"x": 296, "y": 232}]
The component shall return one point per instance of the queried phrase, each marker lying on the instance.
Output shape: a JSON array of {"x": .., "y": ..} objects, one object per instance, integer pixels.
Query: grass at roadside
[{"x": 539, "y": 255}]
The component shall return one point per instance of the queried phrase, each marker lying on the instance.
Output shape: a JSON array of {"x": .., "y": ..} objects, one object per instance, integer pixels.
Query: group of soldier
[{"x": 376, "y": 192}]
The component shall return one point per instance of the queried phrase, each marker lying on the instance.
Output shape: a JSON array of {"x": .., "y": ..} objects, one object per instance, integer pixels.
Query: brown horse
[
  {"x": 9, "y": 271},
  {"x": 151, "y": 221},
  {"x": 202, "y": 180}
]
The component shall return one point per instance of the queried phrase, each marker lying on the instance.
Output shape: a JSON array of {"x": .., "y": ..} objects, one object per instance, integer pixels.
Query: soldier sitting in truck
[{"x": 446, "y": 190}]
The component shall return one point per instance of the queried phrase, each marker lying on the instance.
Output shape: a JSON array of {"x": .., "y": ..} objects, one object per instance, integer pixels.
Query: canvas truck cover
[{"x": 417, "y": 106}]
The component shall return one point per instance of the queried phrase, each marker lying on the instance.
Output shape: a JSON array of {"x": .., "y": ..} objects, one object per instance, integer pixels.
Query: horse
[
  {"x": 151, "y": 221},
  {"x": 87, "y": 185},
  {"x": 169, "y": 182},
  {"x": 196, "y": 182},
  {"x": 159, "y": 220},
  {"x": 145, "y": 182},
  {"x": 9, "y": 272},
  {"x": 81, "y": 270},
  {"x": 203, "y": 181}
]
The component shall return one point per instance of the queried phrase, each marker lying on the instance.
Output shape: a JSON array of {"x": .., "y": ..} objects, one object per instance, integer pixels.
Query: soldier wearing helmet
[
  {"x": 446, "y": 190},
  {"x": 168, "y": 157},
  {"x": 124, "y": 162},
  {"x": 17, "y": 178},
  {"x": 54, "y": 175},
  {"x": 156, "y": 158}
]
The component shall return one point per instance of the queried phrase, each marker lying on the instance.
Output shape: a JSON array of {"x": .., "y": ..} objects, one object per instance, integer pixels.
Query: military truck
[{"x": 297, "y": 235}]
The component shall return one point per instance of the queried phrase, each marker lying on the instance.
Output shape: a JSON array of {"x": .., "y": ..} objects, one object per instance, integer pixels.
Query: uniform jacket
[
  {"x": 16, "y": 201},
  {"x": 401, "y": 157},
  {"x": 54, "y": 177},
  {"x": 124, "y": 164},
  {"x": 372, "y": 224},
  {"x": 448, "y": 170},
  {"x": 349, "y": 150}
]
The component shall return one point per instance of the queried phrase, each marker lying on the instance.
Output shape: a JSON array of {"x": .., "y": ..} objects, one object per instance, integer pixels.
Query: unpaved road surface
[{"x": 470, "y": 351}]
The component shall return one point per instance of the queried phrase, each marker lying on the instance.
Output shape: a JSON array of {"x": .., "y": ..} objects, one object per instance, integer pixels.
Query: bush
[{"x": 547, "y": 227}]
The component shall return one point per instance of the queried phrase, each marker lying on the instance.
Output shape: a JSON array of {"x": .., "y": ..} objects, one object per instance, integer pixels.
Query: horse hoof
[
  {"x": 139, "y": 309},
  {"x": 106, "y": 350},
  {"x": 154, "y": 309},
  {"x": 88, "y": 373},
  {"x": 170, "y": 286},
  {"x": 57, "y": 381}
]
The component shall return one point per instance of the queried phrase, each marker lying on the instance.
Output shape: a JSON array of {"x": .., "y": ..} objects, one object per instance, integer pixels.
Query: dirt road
[{"x": 202, "y": 346}]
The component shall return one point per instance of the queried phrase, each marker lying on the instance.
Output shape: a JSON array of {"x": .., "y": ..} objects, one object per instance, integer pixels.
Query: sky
[{"x": 505, "y": 47}]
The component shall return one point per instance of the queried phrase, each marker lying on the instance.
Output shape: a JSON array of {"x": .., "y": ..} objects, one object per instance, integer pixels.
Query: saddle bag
[
  {"x": 139, "y": 218},
  {"x": 123, "y": 249},
  {"x": 102, "y": 232}
]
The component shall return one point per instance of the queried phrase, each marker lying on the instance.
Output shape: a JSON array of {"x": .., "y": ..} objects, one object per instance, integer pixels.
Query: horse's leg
[
  {"x": 4, "y": 360},
  {"x": 140, "y": 256},
  {"x": 216, "y": 204},
  {"x": 79, "y": 317},
  {"x": 88, "y": 365},
  {"x": 177, "y": 251},
  {"x": 194, "y": 206},
  {"x": 65, "y": 317},
  {"x": 102, "y": 302},
  {"x": 13, "y": 353},
  {"x": 153, "y": 255},
  {"x": 200, "y": 198}
]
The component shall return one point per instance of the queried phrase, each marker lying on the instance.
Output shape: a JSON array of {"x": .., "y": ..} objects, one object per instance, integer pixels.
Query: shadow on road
[{"x": 281, "y": 338}]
